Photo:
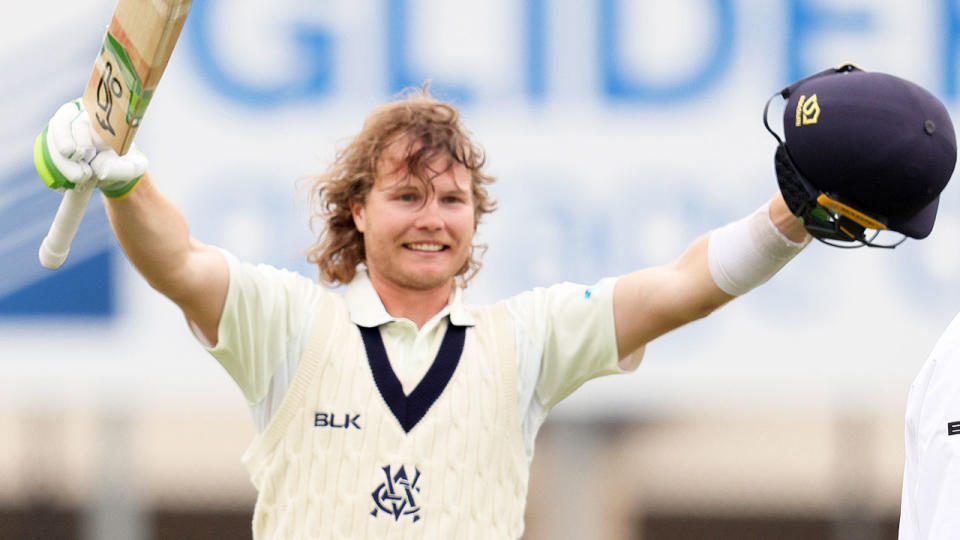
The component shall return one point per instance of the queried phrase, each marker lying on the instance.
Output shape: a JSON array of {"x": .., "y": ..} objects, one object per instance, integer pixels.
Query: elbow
[
  {"x": 170, "y": 288},
  {"x": 175, "y": 282},
  {"x": 695, "y": 313},
  {"x": 700, "y": 308}
]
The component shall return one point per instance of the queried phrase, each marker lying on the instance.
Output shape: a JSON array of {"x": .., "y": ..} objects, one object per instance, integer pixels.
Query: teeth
[{"x": 425, "y": 247}]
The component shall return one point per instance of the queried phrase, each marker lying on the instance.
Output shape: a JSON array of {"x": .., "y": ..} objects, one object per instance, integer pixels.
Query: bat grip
[{"x": 56, "y": 245}]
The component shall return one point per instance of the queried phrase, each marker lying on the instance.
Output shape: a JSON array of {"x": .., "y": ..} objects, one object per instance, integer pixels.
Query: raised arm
[
  {"x": 154, "y": 235},
  {"x": 650, "y": 302},
  {"x": 151, "y": 230}
]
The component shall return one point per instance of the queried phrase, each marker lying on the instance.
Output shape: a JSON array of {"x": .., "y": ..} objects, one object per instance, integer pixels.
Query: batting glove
[{"x": 68, "y": 152}]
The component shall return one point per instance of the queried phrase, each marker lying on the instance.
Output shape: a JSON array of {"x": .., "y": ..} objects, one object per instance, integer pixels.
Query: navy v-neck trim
[{"x": 409, "y": 410}]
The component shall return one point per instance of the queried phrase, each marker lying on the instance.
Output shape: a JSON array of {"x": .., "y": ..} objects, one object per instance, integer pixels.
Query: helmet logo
[{"x": 808, "y": 110}]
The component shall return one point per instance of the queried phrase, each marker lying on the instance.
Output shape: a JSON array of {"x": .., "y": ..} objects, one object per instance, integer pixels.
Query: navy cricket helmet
[{"x": 863, "y": 150}]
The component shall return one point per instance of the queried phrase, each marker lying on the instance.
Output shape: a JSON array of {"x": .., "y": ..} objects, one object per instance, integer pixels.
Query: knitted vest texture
[{"x": 335, "y": 461}]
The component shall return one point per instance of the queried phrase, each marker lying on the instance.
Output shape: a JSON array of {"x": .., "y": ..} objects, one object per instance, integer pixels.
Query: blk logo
[
  {"x": 396, "y": 496},
  {"x": 330, "y": 420},
  {"x": 953, "y": 428}
]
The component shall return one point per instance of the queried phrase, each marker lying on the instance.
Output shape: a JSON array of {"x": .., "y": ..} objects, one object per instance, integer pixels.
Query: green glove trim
[
  {"x": 48, "y": 171},
  {"x": 122, "y": 191}
]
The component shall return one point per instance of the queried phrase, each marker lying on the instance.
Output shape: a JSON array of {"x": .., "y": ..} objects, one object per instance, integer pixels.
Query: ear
[{"x": 359, "y": 217}]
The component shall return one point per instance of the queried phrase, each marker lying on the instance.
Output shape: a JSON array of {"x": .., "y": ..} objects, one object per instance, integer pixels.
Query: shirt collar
[{"x": 366, "y": 308}]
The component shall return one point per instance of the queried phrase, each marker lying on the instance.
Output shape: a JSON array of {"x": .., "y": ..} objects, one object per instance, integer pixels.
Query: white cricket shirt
[
  {"x": 564, "y": 336},
  {"x": 930, "y": 504}
]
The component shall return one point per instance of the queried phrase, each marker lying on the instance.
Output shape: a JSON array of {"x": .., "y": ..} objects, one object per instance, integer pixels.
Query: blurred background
[{"x": 620, "y": 130}]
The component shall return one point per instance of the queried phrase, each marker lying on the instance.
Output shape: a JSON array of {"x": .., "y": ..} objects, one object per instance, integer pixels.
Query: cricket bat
[{"x": 135, "y": 51}]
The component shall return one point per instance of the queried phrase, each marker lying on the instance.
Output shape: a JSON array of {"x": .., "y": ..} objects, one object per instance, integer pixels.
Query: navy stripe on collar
[{"x": 409, "y": 410}]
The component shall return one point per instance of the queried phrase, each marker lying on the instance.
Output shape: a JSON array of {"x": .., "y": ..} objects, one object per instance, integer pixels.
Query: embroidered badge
[
  {"x": 808, "y": 110},
  {"x": 395, "y": 496}
]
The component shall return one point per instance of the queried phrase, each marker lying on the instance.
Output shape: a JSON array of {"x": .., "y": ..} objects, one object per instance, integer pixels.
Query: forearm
[
  {"x": 152, "y": 232},
  {"x": 717, "y": 267}
]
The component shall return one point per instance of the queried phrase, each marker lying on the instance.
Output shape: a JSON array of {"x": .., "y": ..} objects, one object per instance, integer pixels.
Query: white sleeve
[
  {"x": 264, "y": 324},
  {"x": 570, "y": 327},
  {"x": 930, "y": 505}
]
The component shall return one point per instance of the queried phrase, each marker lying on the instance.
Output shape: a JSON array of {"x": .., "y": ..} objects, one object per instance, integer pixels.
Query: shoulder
[
  {"x": 949, "y": 341},
  {"x": 242, "y": 269},
  {"x": 945, "y": 356},
  {"x": 270, "y": 284},
  {"x": 938, "y": 380},
  {"x": 562, "y": 300}
]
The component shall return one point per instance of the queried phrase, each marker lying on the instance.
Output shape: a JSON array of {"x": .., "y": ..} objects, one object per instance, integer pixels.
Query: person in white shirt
[
  {"x": 395, "y": 410},
  {"x": 930, "y": 502}
]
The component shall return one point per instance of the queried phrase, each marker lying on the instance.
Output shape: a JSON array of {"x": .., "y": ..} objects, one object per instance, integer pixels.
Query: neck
[{"x": 416, "y": 305}]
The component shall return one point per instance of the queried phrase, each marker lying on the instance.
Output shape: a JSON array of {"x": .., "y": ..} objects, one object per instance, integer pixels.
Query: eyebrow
[
  {"x": 409, "y": 182},
  {"x": 456, "y": 190},
  {"x": 403, "y": 184}
]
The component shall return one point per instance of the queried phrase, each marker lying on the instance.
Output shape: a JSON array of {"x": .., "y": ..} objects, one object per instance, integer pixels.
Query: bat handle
[{"x": 56, "y": 245}]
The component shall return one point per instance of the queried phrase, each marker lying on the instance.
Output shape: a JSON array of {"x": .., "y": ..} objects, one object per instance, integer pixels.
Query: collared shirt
[
  {"x": 410, "y": 350},
  {"x": 564, "y": 336}
]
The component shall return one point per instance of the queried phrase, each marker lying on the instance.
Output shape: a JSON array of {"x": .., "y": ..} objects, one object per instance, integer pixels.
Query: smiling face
[{"x": 417, "y": 235}]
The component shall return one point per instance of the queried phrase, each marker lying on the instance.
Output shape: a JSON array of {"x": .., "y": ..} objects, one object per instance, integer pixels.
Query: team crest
[{"x": 397, "y": 495}]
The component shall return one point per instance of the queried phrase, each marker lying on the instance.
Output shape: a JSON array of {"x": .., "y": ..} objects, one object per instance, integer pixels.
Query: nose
[{"x": 429, "y": 217}]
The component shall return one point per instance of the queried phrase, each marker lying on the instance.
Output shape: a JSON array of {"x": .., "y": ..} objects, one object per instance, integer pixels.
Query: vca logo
[{"x": 396, "y": 495}]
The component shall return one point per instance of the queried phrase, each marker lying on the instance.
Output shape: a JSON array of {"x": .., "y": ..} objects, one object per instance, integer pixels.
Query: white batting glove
[{"x": 69, "y": 153}]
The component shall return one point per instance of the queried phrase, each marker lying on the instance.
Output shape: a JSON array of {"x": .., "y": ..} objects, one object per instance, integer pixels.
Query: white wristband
[{"x": 748, "y": 252}]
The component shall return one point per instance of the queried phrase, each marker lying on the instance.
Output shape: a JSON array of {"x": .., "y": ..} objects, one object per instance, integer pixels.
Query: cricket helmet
[{"x": 863, "y": 150}]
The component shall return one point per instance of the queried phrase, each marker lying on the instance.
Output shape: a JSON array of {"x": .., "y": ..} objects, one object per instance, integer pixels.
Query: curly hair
[{"x": 431, "y": 129}]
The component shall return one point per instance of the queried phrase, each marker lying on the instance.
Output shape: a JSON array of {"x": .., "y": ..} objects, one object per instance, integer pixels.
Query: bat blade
[
  {"x": 134, "y": 54},
  {"x": 135, "y": 51}
]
